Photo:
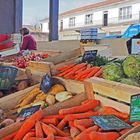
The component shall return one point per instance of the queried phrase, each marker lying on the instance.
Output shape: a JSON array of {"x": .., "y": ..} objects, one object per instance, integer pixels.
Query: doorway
[{"x": 105, "y": 18}]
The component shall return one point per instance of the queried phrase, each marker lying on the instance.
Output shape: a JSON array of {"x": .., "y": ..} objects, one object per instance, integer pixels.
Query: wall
[{"x": 64, "y": 45}]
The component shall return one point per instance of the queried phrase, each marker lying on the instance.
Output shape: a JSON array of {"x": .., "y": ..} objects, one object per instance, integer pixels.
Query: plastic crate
[{"x": 7, "y": 77}]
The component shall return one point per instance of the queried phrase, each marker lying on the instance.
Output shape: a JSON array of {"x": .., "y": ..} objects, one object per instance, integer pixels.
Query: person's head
[{"x": 24, "y": 31}]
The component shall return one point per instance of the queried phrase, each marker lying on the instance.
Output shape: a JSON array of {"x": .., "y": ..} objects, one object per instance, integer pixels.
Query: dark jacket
[{"x": 129, "y": 42}]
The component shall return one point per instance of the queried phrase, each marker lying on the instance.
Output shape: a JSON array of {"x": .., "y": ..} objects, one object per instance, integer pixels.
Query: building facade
[{"x": 110, "y": 16}]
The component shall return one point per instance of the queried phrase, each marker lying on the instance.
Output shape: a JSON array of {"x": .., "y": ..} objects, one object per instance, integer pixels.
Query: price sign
[
  {"x": 135, "y": 108},
  {"x": 89, "y": 56},
  {"x": 110, "y": 122},
  {"x": 28, "y": 111}
]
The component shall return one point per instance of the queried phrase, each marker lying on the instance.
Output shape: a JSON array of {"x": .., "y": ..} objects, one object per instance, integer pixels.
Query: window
[
  {"x": 89, "y": 19},
  {"x": 125, "y": 13},
  {"x": 72, "y": 22}
]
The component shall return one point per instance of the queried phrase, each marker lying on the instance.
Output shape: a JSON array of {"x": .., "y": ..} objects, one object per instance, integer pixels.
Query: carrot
[
  {"x": 10, "y": 137},
  {"x": 67, "y": 131},
  {"x": 72, "y": 117},
  {"x": 124, "y": 131},
  {"x": 92, "y": 73},
  {"x": 84, "y": 73},
  {"x": 48, "y": 130},
  {"x": 64, "y": 68},
  {"x": 54, "y": 116},
  {"x": 74, "y": 132},
  {"x": 28, "y": 124},
  {"x": 82, "y": 108},
  {"x": 38, "y": 128},
  {"x": 109, "y": 111},
  {"x": 62, "y": 124},
  {"x": 83, "y": 137},
  {"x": 104, "y": 136},
  {"x": 84, "y": 122},
  {"x": 86, "y": 101},
  {"x": 87, "y": 132},
  {"x": 64, "y": 73},
  {"x": 32, "y": 130},
  {"x": 51, "y": 120},
  {"x": 71, "y": 124},
  {"x": 58, "y": 131},
  {"x": 62, "y": 138},
  {"x": 136, "y": 123},
  {"x": 50, "y": 137},
  {"x": 80, "y": 127},
  {"x": 99, "y": 73},
  {"x": 80, "y": 70},
  {"x": 77, "y": 67},
  {"x": 35, "y": 138},
  {"x": 28, "y": 135}
]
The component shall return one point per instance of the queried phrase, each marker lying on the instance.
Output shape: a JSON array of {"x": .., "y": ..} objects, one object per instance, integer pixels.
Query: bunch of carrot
[
  {"x": 79, "y": 71},
  {"x": 70, "y": 124}
]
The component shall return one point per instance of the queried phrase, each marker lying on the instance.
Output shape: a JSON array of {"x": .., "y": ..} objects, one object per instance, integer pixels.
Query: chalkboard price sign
[
  {"x": 135, "y": 108},
  {"x": 28, "y": 111},
  {"x": 110, "y": 122}
]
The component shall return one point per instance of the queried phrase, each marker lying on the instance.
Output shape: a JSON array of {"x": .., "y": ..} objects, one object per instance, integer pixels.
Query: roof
[{"x": 88, "y": 7}]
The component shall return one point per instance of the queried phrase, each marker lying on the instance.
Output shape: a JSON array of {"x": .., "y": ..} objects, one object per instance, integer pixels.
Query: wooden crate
[
  {"x": 70, "y": 85},
  {"x": 50, "y": 53},
  {"x": 51, "y": 63},
  {"x": 112, "y": 94}
]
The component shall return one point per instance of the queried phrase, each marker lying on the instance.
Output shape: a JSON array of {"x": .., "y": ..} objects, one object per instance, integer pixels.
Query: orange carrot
[
  {"x": 54, "y": 116},
  {"x": 51, "y": 120},
  {"x": 48, "y": 130},
  {"x": 28, "y": 135},
  {"x": 124, "y": 131},
  {"x": 93, "y": 72},
  {"x": 62, "y": 138},
  {"x": 99, "y": 73},
  {"x": 59, "y": 132},
  {"x": 104, "y": 136},
  {"x": 80, "y": 127},
  {"x": 109, "y": 111},
  {"x": 84, "y": 122},
  {"x": 74, "y": 132},
  {"x": 83, "y": 137},
  {"x": 85, "y": 115},
  {"x": 80, "y": 70},
  {"x": 136, "y": 123},
  {"x": 50, "y": 137},
  {"x": 71, "y": 124},
  {"x": 86, "y": 101},
  {"x": 64, "y": 68},
  {"x": 10, "y": 137},
  {"x": 87, "y": 131},
  {"x": 38, "y": 128},
  {"x": 62, "y": 124},
  {"x": 28, "y": 124},
  {"x": 82, "y": 108},
  {"x": 35, "y": 138}
]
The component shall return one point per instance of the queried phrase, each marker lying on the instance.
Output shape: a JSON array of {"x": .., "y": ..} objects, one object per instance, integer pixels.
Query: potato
[
  {"x": 50, "y": 100},
  {"x": 62, "y": 96},
  {"x": 22, "y": 85}
]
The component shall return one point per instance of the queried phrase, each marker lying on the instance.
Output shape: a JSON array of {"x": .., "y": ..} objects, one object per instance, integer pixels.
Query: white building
[{"x": 110, "y": 16}]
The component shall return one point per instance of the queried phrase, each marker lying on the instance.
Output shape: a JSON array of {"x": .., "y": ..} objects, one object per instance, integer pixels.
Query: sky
[{"x": 35, "y": 10}]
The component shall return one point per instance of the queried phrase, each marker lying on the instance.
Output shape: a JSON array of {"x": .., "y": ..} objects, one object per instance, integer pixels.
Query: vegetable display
[
  {"x": 70, "y": 124},
  {"x": 127, "y": 71},
  {"x": 79, "y": 71}
]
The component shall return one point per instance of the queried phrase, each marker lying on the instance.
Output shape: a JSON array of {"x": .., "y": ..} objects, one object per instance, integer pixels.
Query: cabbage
[
  {"x": 129, "y": 81},
  {"x": 113, "y": 71},
  {"x": 131, "y": 66}
]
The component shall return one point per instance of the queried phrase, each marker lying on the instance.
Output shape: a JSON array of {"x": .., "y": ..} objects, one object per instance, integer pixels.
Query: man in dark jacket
[{"x": 129, "y": 42}]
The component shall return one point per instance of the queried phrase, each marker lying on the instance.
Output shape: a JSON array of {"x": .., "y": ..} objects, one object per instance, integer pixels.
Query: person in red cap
[{"x": 28, "y": 42}]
